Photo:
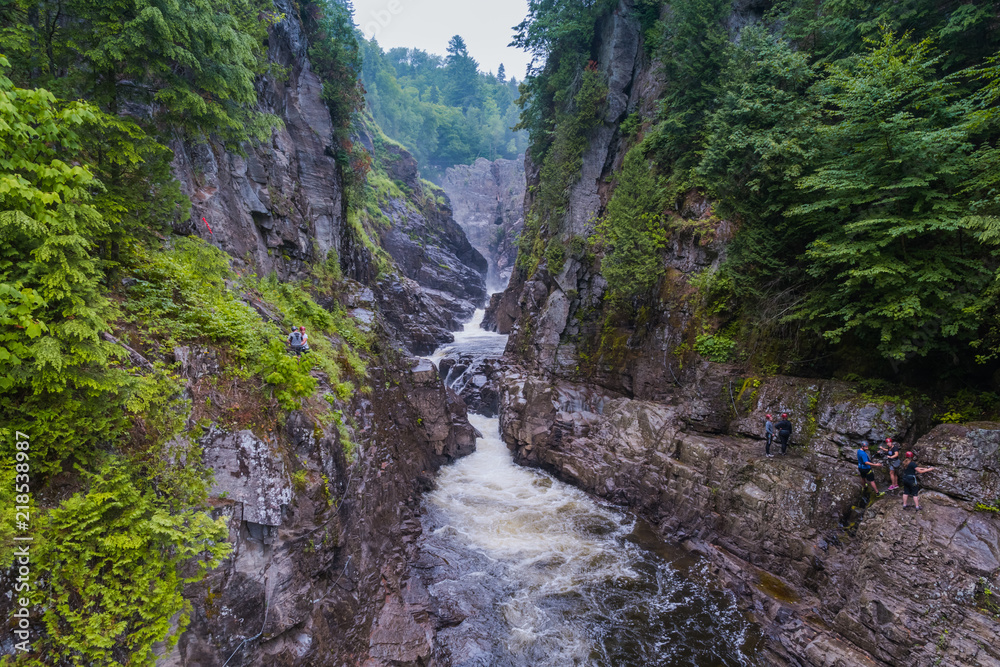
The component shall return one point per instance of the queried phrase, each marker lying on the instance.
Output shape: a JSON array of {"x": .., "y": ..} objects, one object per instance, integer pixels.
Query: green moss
[{"x": 776, "y": 588}]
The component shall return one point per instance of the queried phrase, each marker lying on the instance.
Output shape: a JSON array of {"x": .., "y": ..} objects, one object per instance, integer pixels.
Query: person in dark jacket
[
  {"x": 911, "y": 485},
  {"x": 893, "y": 460},
  {"x": 768, "y": 435},
  {"x": 784, "y": 428}
]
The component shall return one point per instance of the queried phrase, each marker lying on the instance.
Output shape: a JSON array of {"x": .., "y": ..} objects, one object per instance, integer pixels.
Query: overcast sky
[{"x": 486, "y": 26}]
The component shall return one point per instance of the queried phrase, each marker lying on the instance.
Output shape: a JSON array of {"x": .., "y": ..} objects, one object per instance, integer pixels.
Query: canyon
[
  {"x": 504, "y": 461},
  {"x": 341, "y": 567}
]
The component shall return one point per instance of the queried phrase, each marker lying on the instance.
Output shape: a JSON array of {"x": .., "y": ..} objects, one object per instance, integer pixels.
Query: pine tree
[
  {"x": 52, "y": 307},
  {"x": 461, "y": 71},
  {"x": 892, "y": 259}
]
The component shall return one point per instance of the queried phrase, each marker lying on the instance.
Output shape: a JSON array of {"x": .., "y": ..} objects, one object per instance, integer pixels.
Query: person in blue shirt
[{"x": 865, "y": 464}]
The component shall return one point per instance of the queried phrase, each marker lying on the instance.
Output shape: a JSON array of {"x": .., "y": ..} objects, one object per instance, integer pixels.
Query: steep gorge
[
  {"x": 624, "y": 407},
  {"x": 317, "y": 469},
  {"x": 322, "y": 518},
  {"x": 487, "y": 199}
]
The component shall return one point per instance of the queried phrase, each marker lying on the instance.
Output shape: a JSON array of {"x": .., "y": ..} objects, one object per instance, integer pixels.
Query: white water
[
  {"x": 474, "y": 340},
  {"x": 570, "y": 584}
]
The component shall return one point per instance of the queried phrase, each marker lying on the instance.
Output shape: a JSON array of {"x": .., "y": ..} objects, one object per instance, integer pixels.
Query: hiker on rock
[
  {"x": 768, "y": 435},
  {"x": 865, "y": 467},
  {"x": 911, "y": 485},
  {"x": 297, "y": 341},
  {"x": 784, "y": 428},
  {"x": 893, "y": 460}
]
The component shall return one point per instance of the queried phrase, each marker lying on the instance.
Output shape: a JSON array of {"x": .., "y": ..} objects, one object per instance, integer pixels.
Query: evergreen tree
[
  {"x": 53, "y": 363},
  {"x": 461, "y": 72},
  {"x": 892, "y": 259},
  {"x": 192, "y": 64}
]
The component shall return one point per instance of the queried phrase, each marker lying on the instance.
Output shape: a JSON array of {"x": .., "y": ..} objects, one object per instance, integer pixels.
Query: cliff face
[
  {"x": 281, "y": 204},
  {"x": 624, "y": 409},
  {"x": 432, "y": 252},
  {"x": 487, "y": 199},
  {"x": 321, "y": 515},
  {"x": 320, "y": 539}
]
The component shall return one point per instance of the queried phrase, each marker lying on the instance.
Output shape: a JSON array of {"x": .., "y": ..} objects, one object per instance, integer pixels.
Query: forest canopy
[{"x": 854, "y": 144}]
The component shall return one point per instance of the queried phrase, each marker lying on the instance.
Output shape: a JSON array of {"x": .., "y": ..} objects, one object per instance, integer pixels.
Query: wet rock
[
  {"x": 967, "y": 460},
  {"x": 478, "y": 385},
  {"x": 879, "y": 586}
]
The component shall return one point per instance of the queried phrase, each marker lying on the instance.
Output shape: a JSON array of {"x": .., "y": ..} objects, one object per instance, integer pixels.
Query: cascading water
[{"x": 535, "y": 572}]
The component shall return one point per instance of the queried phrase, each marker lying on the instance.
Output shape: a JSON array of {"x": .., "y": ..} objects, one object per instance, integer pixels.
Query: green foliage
[
  {"x": 889, "y": 260},
  {"x": 299, "y": 481},
  {"x": 140, "y": 197},
  {"x": 194, "y": 63},
  {"x": 632, "y": 231},
  {"x": 335, "y": 56},
  {"x": 116, "y": 562},
  {"x": 715, "y": 347},
  {"x": 288, "y": 375},
  {"x": 968, "y": 406},
  {"x": 10, "y": 500},
  {"x": 694, "y": 42},
  {"x": 555, "y": 256},
  {"x": 563, "y": 160},
  {"x": 559, "y": 34},
  {"x": 759, "y": 140},
  {"x": 443, "y": 110},
  {"x": 181, "y": 295},
  {"x": 54, "y": 366}
]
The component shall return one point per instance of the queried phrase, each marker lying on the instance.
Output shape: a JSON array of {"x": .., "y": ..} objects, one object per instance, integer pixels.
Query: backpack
[{"x": 296, "y": 339}]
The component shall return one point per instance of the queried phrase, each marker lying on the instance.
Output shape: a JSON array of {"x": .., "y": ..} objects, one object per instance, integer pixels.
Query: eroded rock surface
[
  {"x": 833, "y": 582},
  {"x": 322, "y": 525},
  {"x": 280, "y": 204}
]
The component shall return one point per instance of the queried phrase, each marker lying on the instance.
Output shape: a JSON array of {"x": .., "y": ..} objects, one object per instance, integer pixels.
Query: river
[{"x": 534, "y": 572}]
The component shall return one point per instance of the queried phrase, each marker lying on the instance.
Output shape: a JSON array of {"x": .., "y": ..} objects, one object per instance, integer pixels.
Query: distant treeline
[{"x": 443, "y": 109}]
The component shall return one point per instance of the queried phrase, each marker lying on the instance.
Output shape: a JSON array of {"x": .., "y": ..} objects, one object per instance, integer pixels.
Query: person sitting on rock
[
  {"x": 893, "y": 460},
  {"x": 784, "y": 431},
  {"x": 911, "y": 485},
  {"x": 865, "y": 464},
  {"x": 768, "y": 435},
  {"x": 297, "y": 340}
]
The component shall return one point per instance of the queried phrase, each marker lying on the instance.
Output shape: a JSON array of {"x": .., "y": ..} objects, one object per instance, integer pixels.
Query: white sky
[{"x": 486, "y": 26}]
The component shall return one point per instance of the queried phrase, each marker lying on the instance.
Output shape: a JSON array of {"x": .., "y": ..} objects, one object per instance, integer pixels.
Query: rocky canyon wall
[
  {"x": 322, "y": 514},
  {"x": 625, "y": 409},
  {"x": 487, "y": 199}
]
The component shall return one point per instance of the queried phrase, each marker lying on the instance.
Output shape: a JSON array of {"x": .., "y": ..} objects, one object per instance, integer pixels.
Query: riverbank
[{"x": 831, "y": 585}]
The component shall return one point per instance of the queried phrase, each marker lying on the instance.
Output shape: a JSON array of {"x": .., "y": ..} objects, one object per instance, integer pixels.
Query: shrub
[{"x": 116, "y": 564}]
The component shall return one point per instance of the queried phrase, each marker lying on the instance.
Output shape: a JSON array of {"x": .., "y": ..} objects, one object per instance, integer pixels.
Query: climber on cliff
[
  {"x": 784, "y": 431},
  {"x": 297, "y": 341},
  {"x": 768, "y": 435},
  {"x": 911, "y": 485},
  {"x": 893, "y": 459},
  {"x": 865, "y": 464}
]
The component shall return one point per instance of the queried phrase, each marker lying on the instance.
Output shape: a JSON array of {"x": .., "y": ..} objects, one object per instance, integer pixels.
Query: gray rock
[
  {"x": 248, "y": 471},
  {"x": 487, "y": 199}
]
